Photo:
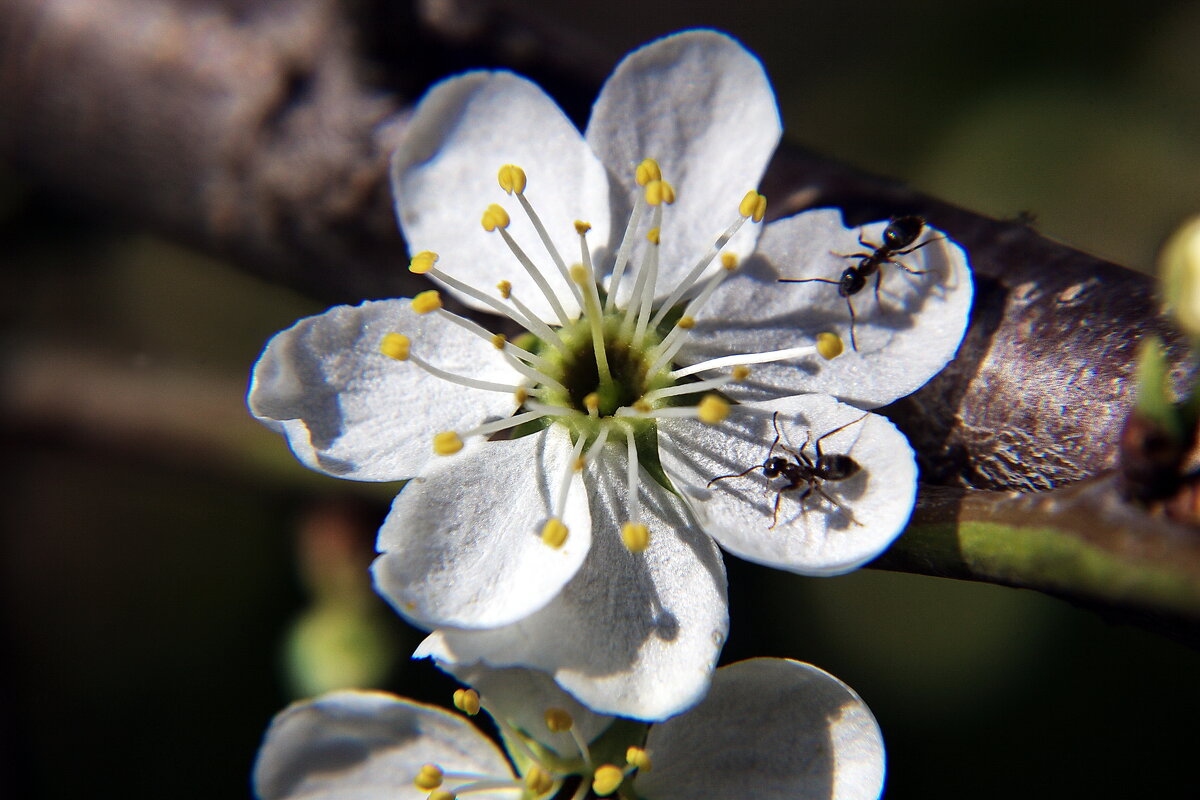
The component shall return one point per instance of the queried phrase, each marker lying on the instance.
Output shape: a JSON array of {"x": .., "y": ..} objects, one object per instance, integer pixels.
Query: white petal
[
  {"x": 351, "y": 411},
  {"x": 770, "y": 728},
  {"x": 522, "y": 696},
  {"x": 367, "y": 746},
  {"x": 903, "y": 341},
  {"x": 462, "y": 545},
  {"x": 813, "y": 537},
  {"x": 700, "y": 104},
  {"x": 444, "y": 176},
  {"x": 630, "y": 635}
]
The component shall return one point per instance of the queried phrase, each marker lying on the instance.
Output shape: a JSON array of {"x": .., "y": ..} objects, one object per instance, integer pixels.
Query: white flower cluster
[{"x": 647, "y": 390}]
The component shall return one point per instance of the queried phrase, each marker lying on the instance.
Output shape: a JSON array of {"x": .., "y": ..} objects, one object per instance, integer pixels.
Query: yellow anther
[
  {"x": 638, "y": 757},
  {"x": 687, "y": 323},
  {"x": 753, "y": 205},
  {"x": 636, "y": 536},
  {"x": 447, "y": 443},
  {"x": 579, "y": 274},
  {"x": 559, "y": 720},
  {"x": 729, "y": 261},
  {"x": 538, "y": 781},
  {"x": 554, "y": 533},
  {"x": 647, "y": 171},
  {"x": 429, "y": 777},
  {"x": 521, "y": 395},
  {"x": 395, "y": 345},
  {"x": 422, "y": 262},
  {"x": 499, "y": 340},
  {"x": 652, "y": 235},
  {"x": 829, "y": 345},
  {"x": 578, "y": 464},
  {"x": 606, "y": 779},
  {"x": 467, "y": 701},
  {"x": 582, "y": 227},
  {"x": 427, "y": 301},
  {"x": 712, "y": 409},
  {"x": 642, "y": 407},
  {"x": 512, "y": 178},
  {"x": 591, "y": 401},
  {"x": 442, "y": 794},
  {"x": 505, "y": 288},
  {"x": 494, "y": 217},
  {"x": 660, "y": 193},
  {"x": 741, "y": 372}
]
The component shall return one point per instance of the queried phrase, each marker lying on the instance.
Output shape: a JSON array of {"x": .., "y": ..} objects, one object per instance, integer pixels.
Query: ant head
[
  {"x": 774, "y": 466},
  {"x": 902, "y": 231},
  {"x": 852, "y": 281}
]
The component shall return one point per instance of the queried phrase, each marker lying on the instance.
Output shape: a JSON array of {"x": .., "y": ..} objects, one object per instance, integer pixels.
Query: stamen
[
  {"x": 674, "y": 340},
  {"x": 631, "y": 480},
  {"x": 648, "y": 170},
  {"x": 554, "y": 533},
  {"x": 462, "y": 380},
  {"x": 447, "y": 443},
  {"x": 635, "y": 219},
  {"x": 467, "y": 701},
  {"x": 559, "y": 720},
  {"x": 710, "y": 410},
  {"x": 547, "y": 410},
  {"x": 591, "y": 401},
  {"x": 606, "y": 779},
  {"x": 509, "y": 349},
  {"x": 427, "y": 301},
  {"x": 745, "y": 358},
  {"x": 395, "y": 345},
  {"x": 829, "y": 345},
  {"x": 564, "y": 486},
  {"x": 512, "y": 179},
  {"x": 594, "y": 450},
  {"x": 753, "y": 205},
  {"x": 488, "y": 428},
  {"x": 429, "y": 777},
  {"x": 441, "y": 794},
  {"x": 583, "y": 276},
  {"x": 538, "y": 781},
  {"x": 422, "y": 262},
  {"x": 527, "y": 263},
  {"x": 648, "y": 276},
  {"x": 635, "y": 536},
  {"x": 694, "y": 388},
  {"x": 638, "y": 758},
  {"x": 527, "y": 321},
  {"x": 535, "y": 325}
]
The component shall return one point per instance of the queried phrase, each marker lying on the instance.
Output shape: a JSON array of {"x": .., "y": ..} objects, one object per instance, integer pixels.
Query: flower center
[{"x": 607, "y": 372}]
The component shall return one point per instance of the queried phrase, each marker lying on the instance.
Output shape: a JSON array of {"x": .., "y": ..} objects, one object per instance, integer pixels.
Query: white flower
[
  {"x": 770, "y": 728},
  {"x": 572, "y": 547}
]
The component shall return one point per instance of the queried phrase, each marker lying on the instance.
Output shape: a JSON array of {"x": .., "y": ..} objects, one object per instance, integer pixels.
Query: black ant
[
  {"x": 804, "y": 472},
  {"x": 899, "y": 234}
]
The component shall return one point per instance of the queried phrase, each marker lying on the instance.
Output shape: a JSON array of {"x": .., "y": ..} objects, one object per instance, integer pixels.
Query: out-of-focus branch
[{"x": 260, "y": 131}]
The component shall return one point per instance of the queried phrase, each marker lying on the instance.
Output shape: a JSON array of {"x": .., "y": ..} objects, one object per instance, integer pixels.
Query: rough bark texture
[{"x": 260, "y": 131}]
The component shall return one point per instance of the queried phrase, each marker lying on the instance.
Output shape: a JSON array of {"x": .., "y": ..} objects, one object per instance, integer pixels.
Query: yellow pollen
[
  {"x": 442, "y": 794},
  {"x": 579, "y": 274},
  {"x": 578, "y": 464},
  {"x": 505, "y": 288},
  {"x": 520, "y": 395},
  {"x": 652, "y": 235},
  {"x": 741, "y": 372},
  {"x": 606, "y": 779},
  {"x": 499, "y": 340},
  {"x": 582, "y": 227},
  {"x": 467, "y": 701},
  {"x": 395, "y": 345},
  {"x": 447, "y": 443},
  {"x": 429, "y": 777},
  {"x": 427, "y": 301},
  {"x": 829, "y": 345},
  {"x": 422, "y": 262},
  {"x": 636, "y": 536},
  {"x": 637, "y": 757},
  {"x": 647, "y": 171},
  {"x": 512, "y": 178},
  {"x": 729, "y": 261},
  {"x": 687, "y": 323},
  {"x": 659, "y": 193},
  {"x": 753, "y": 205},
  {"x": 559, "y": 720},
  {"x": 538, "y": 781},
  {"x": 495, "y": 217},
  {"x": 591, "y": 402},
  {"x": 642, "y": 407},
  {"x": 554, "y": 533},
  {"x": 712, "y": 409}
]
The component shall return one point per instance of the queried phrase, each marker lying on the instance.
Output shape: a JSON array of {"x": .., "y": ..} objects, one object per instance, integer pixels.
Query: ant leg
[
  {"x": 775, "y": 515},
  {"x": 853, "y": 339},
  {"x": 878, "y": 280},
  {"x": 839, "y": 428},
  {"x": 853, "y": 255},
  {"x": 778, "y": 433},
  {"x": 906, "y": 267},
  {"x": 872, "y": 245},
  {"x": 837, "y": 505}
]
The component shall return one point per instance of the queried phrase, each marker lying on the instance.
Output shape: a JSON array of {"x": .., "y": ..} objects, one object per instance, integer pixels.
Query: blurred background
[{"x": 170, "y": 577}]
